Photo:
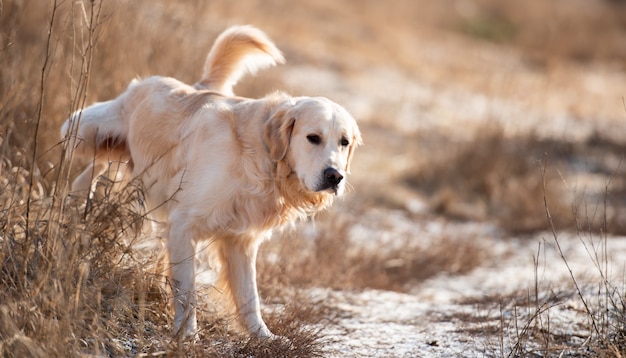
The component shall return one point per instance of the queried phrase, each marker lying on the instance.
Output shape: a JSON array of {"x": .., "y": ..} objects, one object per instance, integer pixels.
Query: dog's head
[{"x": 316, "y": 138}]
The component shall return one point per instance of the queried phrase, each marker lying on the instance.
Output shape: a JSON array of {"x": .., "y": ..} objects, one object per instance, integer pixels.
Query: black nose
[{"x": 332, "y": 177}]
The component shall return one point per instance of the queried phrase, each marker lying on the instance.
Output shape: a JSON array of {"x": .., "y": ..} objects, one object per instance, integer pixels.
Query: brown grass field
[{"x": 503, "y": 113}]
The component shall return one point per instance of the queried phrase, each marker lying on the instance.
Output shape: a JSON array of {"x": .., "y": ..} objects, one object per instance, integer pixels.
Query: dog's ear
[
  {"x": 356, "y": 142},
  {"x": 277, "y": 131}
]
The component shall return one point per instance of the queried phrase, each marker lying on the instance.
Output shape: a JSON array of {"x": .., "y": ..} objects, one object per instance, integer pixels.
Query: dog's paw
[
  {"x": 266, "y": 335},
  {"x": 281, "y": 341},
  {"x": 187, "y": 331}
]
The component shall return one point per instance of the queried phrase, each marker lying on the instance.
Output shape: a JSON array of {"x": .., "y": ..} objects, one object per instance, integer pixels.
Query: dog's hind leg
[
  {"x": 84, "y": 183},
  {"x": 182, "y": 252}
]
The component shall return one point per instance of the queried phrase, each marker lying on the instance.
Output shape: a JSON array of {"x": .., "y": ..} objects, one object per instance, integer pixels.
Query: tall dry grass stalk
[
  {"x": 605, "y": 334},
  {"x": 56, "y": 268}
]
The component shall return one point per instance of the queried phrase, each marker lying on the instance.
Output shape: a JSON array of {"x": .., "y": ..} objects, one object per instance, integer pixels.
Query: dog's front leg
[
  {"x": 240, "y": 257},
  {"x": 182, "y": 252}
]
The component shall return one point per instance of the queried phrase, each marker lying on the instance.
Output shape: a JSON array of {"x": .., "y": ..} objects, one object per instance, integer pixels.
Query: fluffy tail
[{"x": 237, "y": 51}]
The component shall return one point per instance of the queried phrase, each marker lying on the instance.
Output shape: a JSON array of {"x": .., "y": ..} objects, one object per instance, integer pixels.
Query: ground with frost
[
  {"x": 524, "y": 299},
  {"x": 482, "y": 313}
]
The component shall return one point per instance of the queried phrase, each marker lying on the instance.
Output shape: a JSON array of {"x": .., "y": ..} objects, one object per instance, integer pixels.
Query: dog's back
[{"x": 100, "y": 131}]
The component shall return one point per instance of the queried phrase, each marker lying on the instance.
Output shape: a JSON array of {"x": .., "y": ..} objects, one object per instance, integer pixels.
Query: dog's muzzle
[{"x": 330, "y": 180}]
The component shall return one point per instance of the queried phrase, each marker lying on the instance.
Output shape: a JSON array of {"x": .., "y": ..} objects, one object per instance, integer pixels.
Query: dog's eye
[
  {"x": 314, "y": 139},
  {"x": 345, "y": 142}
]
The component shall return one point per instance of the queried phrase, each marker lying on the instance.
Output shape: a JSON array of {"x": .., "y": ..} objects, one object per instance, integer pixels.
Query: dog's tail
[{"x": 237, "y": 51}]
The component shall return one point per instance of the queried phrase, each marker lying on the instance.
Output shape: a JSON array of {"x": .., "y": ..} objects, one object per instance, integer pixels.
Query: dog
[{"x": 219, "y": 167}]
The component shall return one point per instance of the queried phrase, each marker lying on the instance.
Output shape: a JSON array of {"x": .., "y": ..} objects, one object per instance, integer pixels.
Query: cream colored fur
[{"x": 218, "y": 167}]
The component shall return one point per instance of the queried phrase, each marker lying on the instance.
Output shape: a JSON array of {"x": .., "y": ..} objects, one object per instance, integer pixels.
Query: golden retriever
[{"x": 219, "y": 167}]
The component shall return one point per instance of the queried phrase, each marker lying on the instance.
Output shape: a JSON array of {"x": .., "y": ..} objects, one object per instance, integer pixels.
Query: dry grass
[
  {"x": 332, "y": 257},
  {"x": 529, "y": 323},
  {"x": 75, "y": 284},
  {"x": 496, "y": 177},
  {"x": 539, "y": 29},
  {"x": 493, "y": 177}
]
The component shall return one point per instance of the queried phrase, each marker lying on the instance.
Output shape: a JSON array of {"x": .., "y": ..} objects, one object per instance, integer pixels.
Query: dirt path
[{"x": 490, "y": 311}]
